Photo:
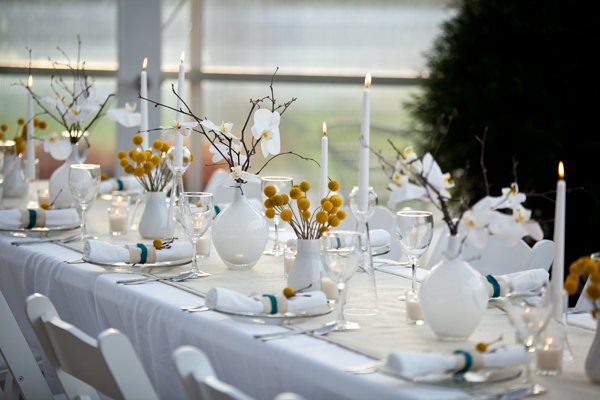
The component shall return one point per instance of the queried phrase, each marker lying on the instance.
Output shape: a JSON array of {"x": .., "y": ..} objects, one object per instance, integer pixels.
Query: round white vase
[
  {"x": 14, "y": 185},
  {"x": 454, "y": 296},
  {"x": 154, "y": 222},
  {"x": 592, "y": 361},
  {"x": 305, "y": 273},
  {"x": 240, "y": 233},
  {"x": 58, "y": 185}
]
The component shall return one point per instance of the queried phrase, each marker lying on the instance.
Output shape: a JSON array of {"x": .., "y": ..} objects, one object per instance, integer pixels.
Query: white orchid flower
[
  {"x": 432, "y": 172},
  {"x": 224, "y": 129},
  {"x": 409, "y": 154},
  {"x": 220, "y": 149},
  {"x": 405, "y": 191},
  {"x": 266, "y": 127},
  {"x": 237, "y": 174},
  {"x": 185, "y": 128},
  {"x": 125, "y": 116},
  {"x": 474, "y": 227},
  {"x": 58, "y": 147}
]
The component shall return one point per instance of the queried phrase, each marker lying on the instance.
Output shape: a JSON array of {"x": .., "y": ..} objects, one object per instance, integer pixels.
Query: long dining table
[{"x": 151, "y": 315}]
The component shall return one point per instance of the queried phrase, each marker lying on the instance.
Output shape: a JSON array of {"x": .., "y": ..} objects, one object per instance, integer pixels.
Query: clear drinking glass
[
  {"x": 340, "y": 253},
  {"x": 282, "y": 184},
  {"x": 415, "y": 230},
  {"x": 196, "y": 210},
  {"x": 529, "y": 314},
  {"x": 84, "y": 180}
]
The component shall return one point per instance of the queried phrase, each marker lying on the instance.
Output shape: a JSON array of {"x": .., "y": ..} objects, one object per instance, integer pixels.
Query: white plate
[
  {"x": 280, "y": 318},
  {"x": 124, "y": 265},
  {"x": 483, "y": 376},
  {"x": 39, "y": 231}
]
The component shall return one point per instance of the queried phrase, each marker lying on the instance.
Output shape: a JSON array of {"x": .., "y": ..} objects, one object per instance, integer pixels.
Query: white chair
[
  {"x": 20, "y": 374},
  {"x": 84, "y": 365},
  {"x": 200, "y": 382}
]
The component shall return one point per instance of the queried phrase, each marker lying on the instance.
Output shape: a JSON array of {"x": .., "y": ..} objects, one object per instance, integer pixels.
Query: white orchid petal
[{"x": 124, "y": 117}]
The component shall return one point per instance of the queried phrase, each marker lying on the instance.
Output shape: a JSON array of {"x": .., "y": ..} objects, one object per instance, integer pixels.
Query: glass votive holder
[
  {"x": 549, "y": 353},
  {"x": 43, "y": 195},
  {"x": 203, "y": 245},
  {"x": 289, "y": 256},
  {"x": 118, "y": 221},
  {"x": 414, "y": 314},
  {"x": 120, "y": 201}
]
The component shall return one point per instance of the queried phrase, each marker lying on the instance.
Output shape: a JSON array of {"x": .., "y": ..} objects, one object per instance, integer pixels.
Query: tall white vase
[
  {"x": 58, "y": 184},
  {"x": 592, "y": 361},
  {"x": 155, "y": 218},
  {"x": 240, "y": 233},
  {"x": 454, "y": 296},
  {"x": 306, "y": 271},
  {"x": 15, "y": 185}
]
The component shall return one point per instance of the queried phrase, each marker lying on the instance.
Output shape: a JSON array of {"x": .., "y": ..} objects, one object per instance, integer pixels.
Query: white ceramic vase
[
  {"x": 306, "y": 270},
  {"x": 15, "y": 185},
  {"x": 454, "y": 296},
  {"x": 592, "y": 361},
  {"x": 58, "y": 184},
  {"x": 154, "y": 222},
  {"x": 240, "y": 233}
]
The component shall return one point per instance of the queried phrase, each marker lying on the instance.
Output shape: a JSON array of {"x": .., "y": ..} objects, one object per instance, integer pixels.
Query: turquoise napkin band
[
  {"x": 273, "y": 300},
  {"x": 495, "y": 285},
  {"x": 32, "y": 218},
  {"x": 120, "y": 185},
  {"x": 144, "y": 255},
  {"x": 468, "y": 361}
]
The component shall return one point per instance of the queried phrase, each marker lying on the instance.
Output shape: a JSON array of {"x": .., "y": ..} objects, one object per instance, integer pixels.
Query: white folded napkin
[
  {"x": 107, "y": 253},
  {"x": 126, "y": 183},
  {"x": 222, "y": 299},
  {"x": 12, "y": 219},
  {"x": 380, "y": 237},
  {"x": 522, "y": 281},
  {"x": 412, "y": 364}
]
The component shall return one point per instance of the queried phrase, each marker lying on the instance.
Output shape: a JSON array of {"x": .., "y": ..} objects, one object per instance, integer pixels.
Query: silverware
[
  {"x": 320, "y": 331},
  {"x": 175, "y": 278},
  {"x": 193, "y": 309},
  {"x": 66, "y": 239}
]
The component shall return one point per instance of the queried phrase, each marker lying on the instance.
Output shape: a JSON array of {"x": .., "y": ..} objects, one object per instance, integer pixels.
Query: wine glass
[
  {"x": 415, "y": 230},
  {"x": 282, "y": 184},
  {"x": 196, "y": 210},
  {"x": 529, "y": 314},
  {"x": 84, "y": 180},
  {"x": 340, "y": 254}
]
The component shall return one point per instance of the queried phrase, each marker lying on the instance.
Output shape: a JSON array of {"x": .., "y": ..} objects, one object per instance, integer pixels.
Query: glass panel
[
  {"x": 175, "y": 31},
  {"x": 379, "y": 35}
]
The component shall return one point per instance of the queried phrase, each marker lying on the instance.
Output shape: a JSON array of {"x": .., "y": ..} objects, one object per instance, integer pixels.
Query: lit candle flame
[
  {"x": 182, "y": 58},
  {"x": 30, "y": 82},
  {"x": 368, "y": 80},
  {"x": 561, "y": 170},
  {"x": 324, "y": 129},
  {"x": 145, "y": 63}
]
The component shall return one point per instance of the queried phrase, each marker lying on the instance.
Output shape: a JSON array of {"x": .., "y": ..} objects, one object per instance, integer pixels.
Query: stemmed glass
[
  {"x": 196, "y": 209},
  {"x": 282, "y": 184},
  {"x": 84, "y": 180},
  {"x": 340, "y": 253},
  {"x": 415, "y": 230},
  {"x": 529, "y": 314}
]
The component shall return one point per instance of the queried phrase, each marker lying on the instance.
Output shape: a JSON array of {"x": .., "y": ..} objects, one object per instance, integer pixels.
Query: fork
[
  {"x": 65, "y": 239},
  {"x": 175, "y": 278}
]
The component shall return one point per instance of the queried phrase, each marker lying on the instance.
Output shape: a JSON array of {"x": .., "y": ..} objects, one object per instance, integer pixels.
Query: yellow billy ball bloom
[
  {"x": 157, "y": 243},
  {"x": 334, "y": 221},
  {"x": 156, "y": 159},
  {"x": 124, "y": 162},
  {"x": 129, "y": 169},
  {"x": 3, "y": 127},
  {"x": 121, "y": 154},
  {"x": 157, "y": 145},
  {"x": 20, "y": 121},
  {"x": 137, "y": 139},
  {"x": 333, "y": 186},
  {"x": 336, "y": 200},
  {"x": 571, "y": 284},
  {"x": 270, "y": 191},
  {"x": 304, "y": 186},
  {"x": 303, "y": 203},
  {"x": 140, "y": 157},
  {"x": 165, "y": 147},
  {"x": 132, "y": 154},
  {"x": 286, "y": 199},
  {"x": 139, "y": 171},
  {"x": 148, "y": 167},
  {"x": 286, "y": 215},
  {"x": 268, "y": 203},
  {"x": 270, "y": 213},
  {"x": 321, "y": 217},
  {"x": 306, "y": 214},
  {"x": 277, "y": 200},
  {"x": 593, "y": 291},
  {"x": 295, "y": 193},
  {"x": 327, "y": 206},
  {"x": 341, "y": 214}
]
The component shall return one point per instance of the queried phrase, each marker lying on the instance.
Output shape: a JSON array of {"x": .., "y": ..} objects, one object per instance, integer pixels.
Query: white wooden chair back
[
  {"x": 198, "y": 377},
  {"x": 499, "y": 258},
  {"x": 22, "y": 375},
  {"x": 85, "y": 365}
]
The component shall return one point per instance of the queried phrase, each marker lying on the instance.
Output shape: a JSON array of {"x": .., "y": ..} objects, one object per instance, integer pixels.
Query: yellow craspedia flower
[
  {"x": 593, "y": 291},
  {"x": 333, "y": 186},
  {"x": 156, "y": 159},
  {"x": 277, "y": 200},
  {"x": 304, "y": 186},
  {"x": 148, "y": 153},
  {"x": 268, "y": 203},
  {"x": 306, "y": 214},
  {"x": 595, "y": 277},
  {"x": 103, "y": 176},
  {"x": 165, "y": 147},
  {"x": 303, "y": 203},
  {"x": 321, "y": 217},
  {"x": 334, "y": 221},
  {"x": 327, "y": 206},
  {"x": 132, "y": 154},
  {"x": 137, "y": 139},
  {"x": 295, "y": 193},
  {"x": 157, "y": 145},
  {"x": 148, "y": 166},
  {"x": 140, "y": 157},
  {"x": 270, "y": 213},
  {"x": 336, "y": 200},
  {"x": 36, "y": 122},
  {"x": 43, "y": 125},
  {"x": 139, "y": 171},
  {"x": 129, "y": 169},
  {"x": 322, "y": 230},
  {"x": 286, "y": 198},
  {"x": 121, "y": 154},
  {"x": 21, "y": 147},
  {"x": 20, "y": 121},
  {"x": 18, "y": 140},
  {"x": 341, "y": 214},
  {"x": 3, "y": 127},
  {"x": 192, "y": 156},
  {"x": 571, "y": 284},
  {"x": 124, "y": 162},
  {"x": 45, "y": 206},
  {"x": 157, "y": 243},
  {"x": 286, "y": 215},
  {"x": 270, "y": 191},
  {"x": 1, "y": 135}
]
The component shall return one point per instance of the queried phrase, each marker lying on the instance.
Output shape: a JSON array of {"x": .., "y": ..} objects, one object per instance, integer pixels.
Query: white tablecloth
[{"x": 150, "y": 315}]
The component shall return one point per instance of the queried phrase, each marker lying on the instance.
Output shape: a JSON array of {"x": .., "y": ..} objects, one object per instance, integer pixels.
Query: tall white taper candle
[
  {"x": 558, "y": 266},
  {"x": 324, "y": 164},
  {"x": 363, "y": 161},
  {"x": 144, "y": 104},
  {"x": 30, "y": 152}
]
